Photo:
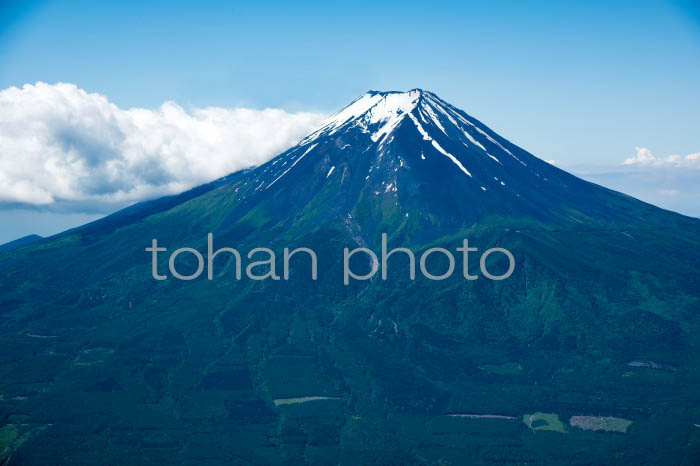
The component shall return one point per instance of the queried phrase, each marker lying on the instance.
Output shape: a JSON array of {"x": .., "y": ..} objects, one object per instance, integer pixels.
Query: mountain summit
[
  {"x": 587, "y": 354},
  {"x": 411, "y": 155}
]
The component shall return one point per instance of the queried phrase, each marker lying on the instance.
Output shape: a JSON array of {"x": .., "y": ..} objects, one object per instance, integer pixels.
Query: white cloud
[
  {"x": 60, "y": 144},
  {"x": 644, "y": 157}
]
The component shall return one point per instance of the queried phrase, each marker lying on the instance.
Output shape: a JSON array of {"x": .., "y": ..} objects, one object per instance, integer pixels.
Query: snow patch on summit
[{"x": 386, "y": 110}]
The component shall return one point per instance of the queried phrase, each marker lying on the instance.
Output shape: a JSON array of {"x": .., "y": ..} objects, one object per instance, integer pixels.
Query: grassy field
[{"x": 544, "y": 421}]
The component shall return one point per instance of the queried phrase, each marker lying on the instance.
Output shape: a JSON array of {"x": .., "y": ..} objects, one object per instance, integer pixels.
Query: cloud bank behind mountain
[{"x": 64, "y": 148}]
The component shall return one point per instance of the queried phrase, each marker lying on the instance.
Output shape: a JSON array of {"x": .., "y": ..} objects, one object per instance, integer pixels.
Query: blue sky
[{"x": 582, "y": 83}]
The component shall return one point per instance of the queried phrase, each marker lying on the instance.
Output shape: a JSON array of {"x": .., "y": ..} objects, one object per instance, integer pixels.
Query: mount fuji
[
  {"x": 588, "y": 354},
  {"x": 439, "y": 167}
]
